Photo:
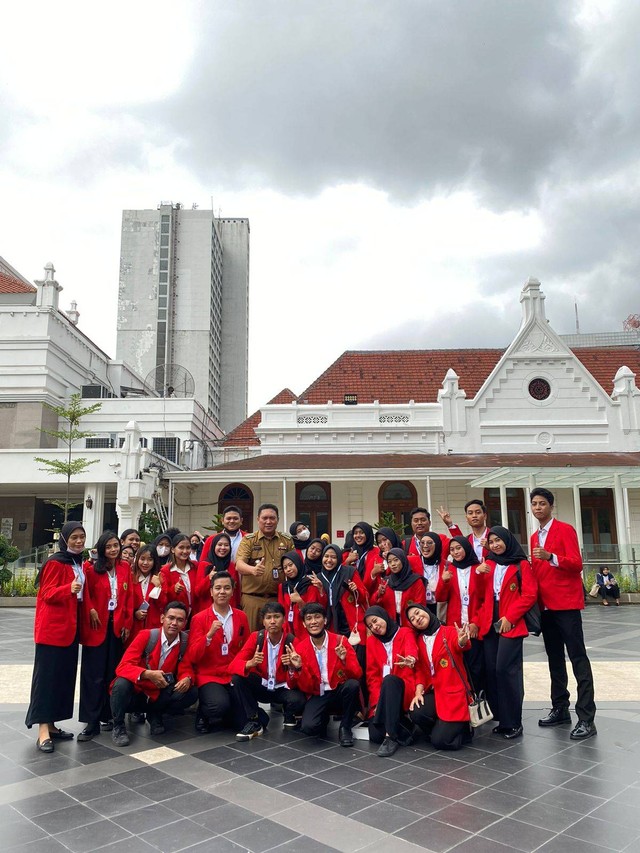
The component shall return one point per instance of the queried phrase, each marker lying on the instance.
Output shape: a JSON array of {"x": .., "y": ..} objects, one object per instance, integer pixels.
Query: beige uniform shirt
[{"x": 252, "y": 549}]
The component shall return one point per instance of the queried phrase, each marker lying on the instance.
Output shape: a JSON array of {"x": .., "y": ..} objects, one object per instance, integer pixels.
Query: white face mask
[
  {"x": 163, "y": 550},
  {"x": 303, "y": 535},
  {"x": 75, "y": 550}
]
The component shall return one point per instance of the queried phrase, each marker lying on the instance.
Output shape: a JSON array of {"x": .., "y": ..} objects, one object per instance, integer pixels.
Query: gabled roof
[
  {"x": 245, "y": 433},
  {"x": 11, "y": 284}
]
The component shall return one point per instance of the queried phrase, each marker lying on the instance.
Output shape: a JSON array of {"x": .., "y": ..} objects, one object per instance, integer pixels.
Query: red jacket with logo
[
  {"x": 170, "y": 579},
  {"x": 156, "y": 606},
  {"x": 296, "y": 625},
  {"x": 134, "y": 662},
  {"x": 237, "y": 665},
  {"x": 452, "y": 702},
  {"x": 513, "y": 603},
  {"x": 207, "y": 661},
  {"x": 559, "y": 588},
  {"x": 307, "y": 679},
  {"x": 449, "y": 591},
  {"x": 386, "y": 597},
  {"x": 56, "y": 606},
  {"x": 97, "y": 594},
  {"x": 404, "y": 643}
]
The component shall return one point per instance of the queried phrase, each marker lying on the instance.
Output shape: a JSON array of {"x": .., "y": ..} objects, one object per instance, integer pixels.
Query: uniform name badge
[
  {"x": 224, "y": 649},
  {"x": 271, "y": 684},
  {"x": 290, "y": 616},
  {"x": 274, "y": 572},
  {"x": 465, "y": 599},
  {"x": 386, "y": 670},
  {"x": 111, "y": 604},
  {"x": 429, "y": 595}
]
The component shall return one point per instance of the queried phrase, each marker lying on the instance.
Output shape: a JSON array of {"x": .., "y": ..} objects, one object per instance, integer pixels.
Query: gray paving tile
[
  {"x": 261, "y": 836},
  {"x": 119, "y": 803},
  {"x": 386, "y": 816},
  {"x": 33, "y": 806},
  {"x": 433, "y": 835},
  {"x": 517, "y": 835},
  {"x": 64, "y": 819},
  {"x": 451, "y": 787},
  {"x": 92, "y": 790},
  {"x": 614, "y": 834},
  {"x": 226, "y": 818},
  {"x": 16, "y": 834},
  {"x": 164, "y": 789},
  {"x": 465, "y": 817},
  {"x": 42, "y": 845},
  {"x": 573, "y": 801},
  {"x": 308, "y": 788},
  {"x": 143, "y": 820},
  {"x": 193, "y": 803},
  {"x": 565, "y": 844},
  {"x": 177, "y": 836},
  {"x": 345, "y": 801},
  {"x": 86, "y": 838},
  {"x": 304, "y": 844},
  {"x": 495, "y": 801},
  {"x": 546, "y": 816},
  {"x": 421, "y": 800}
]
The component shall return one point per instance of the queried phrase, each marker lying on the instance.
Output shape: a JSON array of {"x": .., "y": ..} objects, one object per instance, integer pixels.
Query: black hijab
[
  {"x": 391, "y": 535},
  {"x": 62, "y": 555},
  {"x": 313, "y": 565},
  {"x": 301, "y": 582},
  {"x": 333, "y": 583},
  {"x": 434, "y": 622},
  {"x": 218, "y": 564},
  {"x": 406, "y": 577},
  {"x": 437, "y": 554},
  {"x": 369, "y": 543},
  {"x": 513, "y": 552},
  {"x": 298, "y": 543},
  {"x": 470, "y": 558},
  {"x": 392, "y": 625}
]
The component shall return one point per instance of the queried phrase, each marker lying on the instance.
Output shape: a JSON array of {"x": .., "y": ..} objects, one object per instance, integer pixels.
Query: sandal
[{"x": 45, "y": 745}]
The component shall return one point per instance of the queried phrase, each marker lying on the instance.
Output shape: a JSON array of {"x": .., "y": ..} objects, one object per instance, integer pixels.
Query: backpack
[
  {"x": 532, "y": 618},
  {"x": 288, "y": 639},
  {"x": 154, "y": 636}
]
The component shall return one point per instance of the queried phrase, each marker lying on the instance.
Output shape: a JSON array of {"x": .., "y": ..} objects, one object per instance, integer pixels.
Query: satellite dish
[{"x": 170, "y": 380}]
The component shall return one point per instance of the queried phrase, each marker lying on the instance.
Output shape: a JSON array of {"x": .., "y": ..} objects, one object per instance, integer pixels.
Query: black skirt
[{"x": 53, "y": 684}]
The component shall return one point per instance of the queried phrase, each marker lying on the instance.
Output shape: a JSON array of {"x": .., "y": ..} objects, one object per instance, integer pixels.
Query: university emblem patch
[{"x": 444, "y": 663}]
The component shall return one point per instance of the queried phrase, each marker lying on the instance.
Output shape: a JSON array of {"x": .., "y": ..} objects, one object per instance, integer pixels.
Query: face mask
[
  {"x": 194, "y": 545},
  {"x": 303, "y": 535},
  {"x": 75, "y": 550},
  {"x": 163, "y": 550}
]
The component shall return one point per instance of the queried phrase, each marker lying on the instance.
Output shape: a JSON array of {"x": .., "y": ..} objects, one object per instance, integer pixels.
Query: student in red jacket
[
  {"x": 420, "y": 524},
  {"x": 218, "y": 560},
  {"x": 179, "y": 577},
  {"x": 326, "y": 669},
  {"x": 511, "y": 590},
  {"x": 391, "y": 657},
  {"x": 344, "y": 596},
  {"x": 217, "y": 634},
  {"x": 107, "y": 619},
  {"x": 60, "y": 584},
  {"x": 557, "y": 565},
  {"x": 475, "y": 513},
  {"x": 400, "y": 588},
  {"x": 152, "y": 676},
  {"x": 433, "y": 563},
  {"x": 148, "y": 599},
  {"x": 440, "y": 706},
  {"x": 296, "y": 591},
  {"x": 260, "y": 672},
  {"x": 231, "y": 525},
  {"x": 364, "y": 555}
]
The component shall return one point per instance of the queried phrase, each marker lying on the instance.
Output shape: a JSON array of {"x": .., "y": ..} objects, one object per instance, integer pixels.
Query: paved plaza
[{"x": 285, "y": 792}]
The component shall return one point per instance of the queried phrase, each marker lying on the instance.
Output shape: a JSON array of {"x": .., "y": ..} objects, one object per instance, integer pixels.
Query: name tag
[
  {"x": 290, "y": 616},
  {"x": 111, "y": 605},
  {"x": 271, "y": 684},
  {"x": 465, "y": 600},
  {"x": 224, "y": 649},
  {"x": 386, "y": 670},
  {"x": 274, "y": 572},
  {"x": 429, "y": 595}
]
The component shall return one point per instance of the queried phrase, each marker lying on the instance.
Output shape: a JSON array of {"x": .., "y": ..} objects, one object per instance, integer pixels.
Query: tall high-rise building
[{"x": 183, "y": 302}]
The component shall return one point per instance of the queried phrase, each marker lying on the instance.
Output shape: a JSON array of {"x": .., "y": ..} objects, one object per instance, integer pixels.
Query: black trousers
[
  {"x": 442, "y": 734},
  {"x": 218, "y": 703},
  {"x": 125, "y": 700},
  {"x": 97, "y": 671},
  {"x": 345, "y": 700},
  {"x": 249, "y": 690},
  {"x": 474, "y": 662},
  {"x": 389, "y": 718},
  {"x": 560, "y": 629},
  {"x": 609, "y": 592},
  {"x": 505, "y": 678}
]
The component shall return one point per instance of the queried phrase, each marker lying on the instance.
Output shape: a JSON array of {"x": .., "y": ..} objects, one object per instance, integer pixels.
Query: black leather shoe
[
  {"x": 60, "y": 734},
  {"x": 45, "y": 745},
  {"x": 556, "y": 717},
  {"x": 583, "y": 730},
  {"x": 510, "y": 734},
  {"x": 387, "y": 748},
  {"x": 498, "y": 730},
  {"x": 346, "y": 736},
  {"x": 202, "y": 724},
  {"x": 156, "y": 726},
  {"x": 88, "y": 733}
]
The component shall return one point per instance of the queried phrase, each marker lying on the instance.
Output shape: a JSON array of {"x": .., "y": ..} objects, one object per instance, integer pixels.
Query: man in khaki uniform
[{"x": 259, "y": 561}]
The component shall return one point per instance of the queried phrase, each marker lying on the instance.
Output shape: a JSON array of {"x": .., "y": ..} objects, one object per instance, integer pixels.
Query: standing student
[
  {"x": 364, "y": 555},
  {"x": 231, "y": 525},
  {"x": 162, "y": 544},
  {"x": 476, "y": 516},
  {"x": 511, "y": 591},
  {"x": 432, "y": 567},
  {"x": 344, "y": 596},
  {"x": 420, "y": 524},
  {"x": 179, "y": 576},
  {"x": 300, "y": 535},
  {"x": 313, "y": 556},
  {"x": 61, "y": 587},
  {"x": 218, "y": 560},
  {"x": 148, "y": 600},
  {"x": 107, "y": 619},
  {"x": 296, "y": 591},
  {"x": 557, "y": 565},
  {"x": 400, "y": 588}
]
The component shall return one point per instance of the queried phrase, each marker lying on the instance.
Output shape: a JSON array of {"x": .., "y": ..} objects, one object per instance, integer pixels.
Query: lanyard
[
  {"x": 226, "y": 620},
  {"x": 113, "y": 583},
  {"x": 428, "y": 644},
  {"x": 330, "y": 582}
]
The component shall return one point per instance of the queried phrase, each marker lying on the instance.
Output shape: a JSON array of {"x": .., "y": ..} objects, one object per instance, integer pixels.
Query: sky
[{"x": 405, "y": 165}]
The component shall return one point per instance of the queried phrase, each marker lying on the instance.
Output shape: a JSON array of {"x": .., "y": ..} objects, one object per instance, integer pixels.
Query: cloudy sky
[{"x": 406, "y": 164}]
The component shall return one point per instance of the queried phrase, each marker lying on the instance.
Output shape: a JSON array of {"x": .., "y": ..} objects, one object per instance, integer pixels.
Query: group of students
[{"x": 394, "y": 634}]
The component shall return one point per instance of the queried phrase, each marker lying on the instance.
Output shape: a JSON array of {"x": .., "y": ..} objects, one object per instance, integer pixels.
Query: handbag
[
  {"x": 593, "y": 592},
  {"x": 479, "y": 710},
  {"x": 533, "y": 617}
]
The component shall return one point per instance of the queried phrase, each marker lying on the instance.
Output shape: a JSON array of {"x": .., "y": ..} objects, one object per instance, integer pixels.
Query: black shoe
[
  {"x": 88, "y": 733},
  {"x": 119, "y": 735},
  {"x": 106, "y": 727},
  {"x": 498, "y": 730},
  {"x": 510, "y": 734},
  {"x": 45, "y": 745},
  {"x": 156, "y": 727},
  {"x": 137, "y": 718},
  {"x": 556, "y": 717},
  {"x": 583, "y": 730},
  {"x": 60, "y": 734},
  {"x": 251, "y": 730},
  {"x": 387, "y": 748},
  {"x": 202, "y": 724},
  {"x": 290, "y": 721},
  {"x": 345, "y": 735}
]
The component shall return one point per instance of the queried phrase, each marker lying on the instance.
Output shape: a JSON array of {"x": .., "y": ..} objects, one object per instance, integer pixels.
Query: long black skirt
[{"x": 53, "y": 684}]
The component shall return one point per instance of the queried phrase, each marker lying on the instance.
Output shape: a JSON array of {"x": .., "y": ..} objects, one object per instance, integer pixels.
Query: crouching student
[
  {"x": 440, "y": 705},
  {"x": 325, "y": 668},
  {"x": 217, "y": 634},
  {"x": 259, "y": 674},
  {"x": 392, "y": 654},
  {"x": 153, "y": 675}
]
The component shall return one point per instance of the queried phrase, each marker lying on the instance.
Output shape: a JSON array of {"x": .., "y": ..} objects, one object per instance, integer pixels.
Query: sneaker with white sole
[{"x": 251, "y": 730}]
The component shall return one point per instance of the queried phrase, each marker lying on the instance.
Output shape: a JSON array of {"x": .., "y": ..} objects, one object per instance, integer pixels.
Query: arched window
[
  {"x": 237, "y": 494},
  {"x": 398, "y": 497},
  {"x": 313, "y": 506}
]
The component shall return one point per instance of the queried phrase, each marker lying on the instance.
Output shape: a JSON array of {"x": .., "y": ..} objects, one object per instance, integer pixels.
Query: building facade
[{"x": 183, "y": 302}]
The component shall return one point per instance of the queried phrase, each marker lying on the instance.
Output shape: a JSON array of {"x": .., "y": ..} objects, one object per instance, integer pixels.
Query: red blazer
[
  {"x": 485, "y": 551},
  {"x": 170, "y": 579},
  {"x": 205, "y": 554},
  {"x": 404, "y": 643},
  {"x": 99, "y": 593},
  {"x": 237, "y": 665},
  {"x": 295, "y": 624},
  {"x": 414, "y": 551},
  {"x": 452, "y": 703},
  {"x": 202, "y": 598},
  {"x": 513, "y": 604},
  {"x": 386, "y": 597},
  {"x": 134, "y": 663},
  {"x": 449, "y": 591},
  {"x": 207, "y": 661},
  {"x": 156, "y": 606},
  {"x": 354, "y": 607},
  {"x": 308, "y": 678},
  {"x": 559, "y": 588},
  {"x": 56, "y": 618},
  {"x": 371, "y": 558}
]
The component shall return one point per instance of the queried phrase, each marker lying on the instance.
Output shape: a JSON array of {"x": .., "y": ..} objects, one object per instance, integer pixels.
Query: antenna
[{"x": 575, "y": 305}]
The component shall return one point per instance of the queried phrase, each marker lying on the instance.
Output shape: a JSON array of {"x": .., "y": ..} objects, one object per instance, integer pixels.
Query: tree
[
  {"x": 149, "y": 525},
  {"x": 72, "y": 413},
  {"x": 8, "y": 553},
  {"x": 388, "y": 519}
]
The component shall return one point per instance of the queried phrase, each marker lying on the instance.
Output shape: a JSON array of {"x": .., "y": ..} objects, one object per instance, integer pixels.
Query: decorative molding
[
  {"x": 394, "y": 419},
  {"x": 313, "y": 419}
]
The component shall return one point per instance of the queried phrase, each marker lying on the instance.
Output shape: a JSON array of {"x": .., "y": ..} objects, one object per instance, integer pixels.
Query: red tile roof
[
  {"x": 10, "y": 284},
  {"x": 244, "y": 433}
]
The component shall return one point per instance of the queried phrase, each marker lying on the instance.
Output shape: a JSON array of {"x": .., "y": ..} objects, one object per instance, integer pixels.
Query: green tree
[
  {"x": 149, "y": 526},
  {"x": 388, "y": 519},
  {"x": 72, "y": 413},
  {"x": 8, "y": 553}
]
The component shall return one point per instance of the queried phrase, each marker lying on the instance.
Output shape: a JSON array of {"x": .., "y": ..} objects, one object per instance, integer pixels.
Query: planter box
[{"x": 17, "y": 601}]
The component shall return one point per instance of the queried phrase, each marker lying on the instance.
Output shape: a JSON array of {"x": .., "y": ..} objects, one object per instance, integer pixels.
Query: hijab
[
  {"x": 391, "y": 535},
  {"x": 313, "y": 565},
  {"x": 62, "y": 555},
  {"x": 513, "y": 552},
  {"x": 392, "y": 625},
  {"x": 333, "y": 583},
  {"x": 218, "y": 564},
  {"x": 406, "y": 577},
  {"x": 299, "y": 584},
  {"x": 470, "y": 558},
  {"x": 302, "y": 544},
  {"x": 434, "y": 622},
  {"x": 369, "y": 543},
  {"x": 437, "y": 554}
]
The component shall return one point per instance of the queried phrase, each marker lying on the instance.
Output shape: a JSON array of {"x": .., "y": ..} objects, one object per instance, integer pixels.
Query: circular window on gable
[{"x": 539, "y": 389}]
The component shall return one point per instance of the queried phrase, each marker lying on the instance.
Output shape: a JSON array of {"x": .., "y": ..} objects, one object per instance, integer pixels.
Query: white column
[
  {"x": 504, "y": 513},
  {"x": 170, "y": 501},
  {"x": 428, "y": 485},
  {"x": 285, "y": 525},
  {"x": 92, "y": 519},
  {"x": 621, "y": 521},
  {"x": 577, "y": 510},
  {"x": 531, "y": 524}
]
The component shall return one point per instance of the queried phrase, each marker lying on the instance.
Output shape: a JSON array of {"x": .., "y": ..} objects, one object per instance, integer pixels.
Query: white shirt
[
  {"x": 227, "y": 624},
  {"x": 542, "y": 538},
  {"x": 166, "y": 647},
  {"x": 464, "y": 577},
  {"x": 322, "y": 657},
  {"x": 185, "y": 580},
  {"x": 236, "y": 539},
  {"x": 478, "y": 547},
  {"x": 273, "y": 651},
  {"x": 78, "y": 571},
  {"x": 428, "y": 644},
  {"x": 498, "y": 577},
  {"x": 431, "y": 577}
]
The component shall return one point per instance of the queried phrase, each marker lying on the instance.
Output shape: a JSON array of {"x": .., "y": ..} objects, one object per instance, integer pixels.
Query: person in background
[
  {"x": 219, "y": 560},
  {"x": 399, "y": 588},
  {"x": 313, "y": 556},
  {"x": 128, "y": 554},
  {"x": 130, "y": 538},
  {"x": 363, "y": 555},
  {"x": 148, "y": 600},
  {"x": 179, "y": 576},
  {"x": 196, "y": 546},
  {"x": 607, "y": 586},
  {"x": 162, "y": 545},
  {"x": 300, "y": 535},
  {"x": 296, "y": 591},
  {"x": 231, "y": 525}
]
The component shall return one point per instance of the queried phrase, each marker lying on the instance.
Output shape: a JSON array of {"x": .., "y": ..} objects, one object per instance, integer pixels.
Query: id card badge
[
  {"x": 321, "y": 688},
  {"x": 429, "y": 595},
  {"x": 290, "y": 616},
  {"x": 111, "y": 604},
  {"x": 386, "y": 670},
  {"x": 224, "y": 649},
  {"x": 465, "y": 599},
  {"x": 274, "y": 572},
  {"x": 271, "y": 684}
]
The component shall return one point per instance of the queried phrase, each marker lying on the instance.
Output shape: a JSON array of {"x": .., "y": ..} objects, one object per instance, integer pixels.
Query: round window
[{"x": 539, "y": 389}]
